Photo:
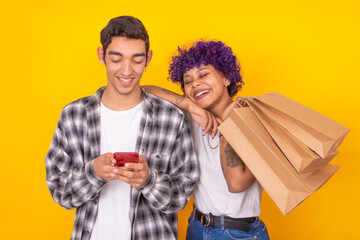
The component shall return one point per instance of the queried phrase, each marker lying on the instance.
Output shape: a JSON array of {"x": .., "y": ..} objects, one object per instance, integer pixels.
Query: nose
[
  {"x": 126, "y": 68},
  {"x": 196, "y": 83}
]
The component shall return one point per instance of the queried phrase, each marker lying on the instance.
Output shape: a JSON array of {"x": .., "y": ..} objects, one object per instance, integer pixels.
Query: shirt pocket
[{"x": 159, "y": 161}]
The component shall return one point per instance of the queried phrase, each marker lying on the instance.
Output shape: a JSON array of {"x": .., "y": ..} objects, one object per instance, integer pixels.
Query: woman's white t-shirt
[{"x": 211, "y": 194}]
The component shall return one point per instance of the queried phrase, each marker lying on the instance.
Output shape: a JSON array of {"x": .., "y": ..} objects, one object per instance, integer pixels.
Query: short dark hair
[
  {"x": 215, "y": 53},
  {"x": 124, "y": 26}
]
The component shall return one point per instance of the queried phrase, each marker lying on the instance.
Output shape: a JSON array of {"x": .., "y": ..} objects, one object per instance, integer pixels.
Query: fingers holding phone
[
  {"x": 103, "y": 166},
  {"x": 133, "y": 173}
]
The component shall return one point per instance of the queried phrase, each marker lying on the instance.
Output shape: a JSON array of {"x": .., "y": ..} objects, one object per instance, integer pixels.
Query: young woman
[{"x": 227, "y": 196}]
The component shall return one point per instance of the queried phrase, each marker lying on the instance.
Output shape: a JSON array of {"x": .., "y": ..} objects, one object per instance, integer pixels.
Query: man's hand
[
  {"x": 134, "y": 174},
  {"x": 103, "y": 166}
]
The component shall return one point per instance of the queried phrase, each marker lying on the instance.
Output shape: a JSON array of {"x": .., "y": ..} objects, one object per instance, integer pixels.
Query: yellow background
[{"x": 307, "y": 50}]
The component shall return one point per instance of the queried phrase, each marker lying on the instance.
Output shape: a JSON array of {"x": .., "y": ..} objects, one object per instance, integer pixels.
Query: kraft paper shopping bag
[
  {"x": 321, "y": 134},
  {"x": 282, "y": 182},
  {"x": 300, "y": 156}
]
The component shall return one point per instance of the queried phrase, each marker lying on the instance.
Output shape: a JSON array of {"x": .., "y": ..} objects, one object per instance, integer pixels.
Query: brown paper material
[
  {"x": 282, "y": 182},
  {"x": 300, "y": 156},
  {"x": 318, "y": 132}
]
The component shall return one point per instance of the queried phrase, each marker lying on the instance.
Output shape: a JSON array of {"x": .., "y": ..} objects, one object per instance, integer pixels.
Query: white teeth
[
  {"x": 201, "y": 93},
  {"x": 125, "y": 80}
]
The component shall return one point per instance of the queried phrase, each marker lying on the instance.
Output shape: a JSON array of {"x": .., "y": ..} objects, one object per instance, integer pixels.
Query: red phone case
[{"x": 124, "y": 157}]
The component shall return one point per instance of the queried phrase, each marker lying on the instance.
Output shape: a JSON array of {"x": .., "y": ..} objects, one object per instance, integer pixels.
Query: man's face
[{"x": 125, "y": 61}]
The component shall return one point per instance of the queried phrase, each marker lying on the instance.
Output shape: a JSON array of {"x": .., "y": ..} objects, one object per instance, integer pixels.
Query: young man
[{"x": 139, "y": 200}]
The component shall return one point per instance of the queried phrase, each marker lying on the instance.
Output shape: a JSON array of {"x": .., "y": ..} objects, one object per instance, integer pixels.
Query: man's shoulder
[
  {"x": 161, "y": 105},
  {"x": 81, "y": 107},
  {"x": 84, "y": 102},
  {"x": 79, "y": 104}
]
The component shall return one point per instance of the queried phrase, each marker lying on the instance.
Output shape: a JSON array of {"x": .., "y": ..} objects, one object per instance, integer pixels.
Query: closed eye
[
  {"x": 187, "y": 81},
  {"x": 204, "y": 75},
  {"x": 138, "y": 59}
]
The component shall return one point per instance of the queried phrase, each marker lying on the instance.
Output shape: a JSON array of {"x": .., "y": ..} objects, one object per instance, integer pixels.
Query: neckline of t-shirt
[{"x": 123, "y": 112}]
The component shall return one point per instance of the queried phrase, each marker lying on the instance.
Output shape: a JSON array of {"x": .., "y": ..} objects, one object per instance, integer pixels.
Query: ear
[
  {"x": 226, "y": 82},
  {"x": 149, "y": 56},
  {"x": 100, "y": 53}
]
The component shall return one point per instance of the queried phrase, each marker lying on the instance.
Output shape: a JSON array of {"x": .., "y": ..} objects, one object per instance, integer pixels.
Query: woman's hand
[
  {"x": 227, "y": 111},
  {"x": 204, "y": 118},
  {"x": 239, "y": 102}
]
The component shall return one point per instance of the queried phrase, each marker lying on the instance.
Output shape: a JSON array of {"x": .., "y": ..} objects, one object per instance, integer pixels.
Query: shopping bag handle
[{"x": 243, "y": 101}]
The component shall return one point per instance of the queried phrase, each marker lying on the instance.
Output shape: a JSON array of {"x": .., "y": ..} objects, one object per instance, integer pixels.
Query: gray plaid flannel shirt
[{"x": 164, "y": 138}]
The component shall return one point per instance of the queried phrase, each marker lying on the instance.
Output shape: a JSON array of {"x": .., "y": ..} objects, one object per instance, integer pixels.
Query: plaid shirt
[{"x": 164, "y": 138}]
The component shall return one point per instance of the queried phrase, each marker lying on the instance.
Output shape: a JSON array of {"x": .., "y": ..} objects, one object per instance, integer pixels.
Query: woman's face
[{"x": 206, "y": 86}]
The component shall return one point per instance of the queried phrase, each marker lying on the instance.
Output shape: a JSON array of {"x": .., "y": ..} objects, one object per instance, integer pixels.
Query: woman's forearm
[
  {"x": 201, "y": 116},
  {"x": 176, "y": 99}
]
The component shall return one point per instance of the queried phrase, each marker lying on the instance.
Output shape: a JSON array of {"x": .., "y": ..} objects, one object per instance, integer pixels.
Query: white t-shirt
[
  {"x": 211, "y": 194},
  {"x": 118, "y": 134}
]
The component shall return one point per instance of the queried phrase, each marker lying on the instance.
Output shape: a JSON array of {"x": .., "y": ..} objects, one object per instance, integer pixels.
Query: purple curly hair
[{"x": 214, "y": 53}]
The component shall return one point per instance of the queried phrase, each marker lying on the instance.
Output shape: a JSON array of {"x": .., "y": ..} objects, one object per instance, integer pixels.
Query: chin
[
  {"x": 204, "y": 105},
  {"x": 124, "y": 91}
]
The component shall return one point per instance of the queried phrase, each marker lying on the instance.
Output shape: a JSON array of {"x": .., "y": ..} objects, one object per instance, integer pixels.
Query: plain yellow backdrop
[{"x": 307, "y": 50}]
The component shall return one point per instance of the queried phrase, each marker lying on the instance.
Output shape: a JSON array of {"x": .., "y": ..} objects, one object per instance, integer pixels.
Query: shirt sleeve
[
  {"x": 71, "y": 183},
  {"x": 169, "y": 192}
]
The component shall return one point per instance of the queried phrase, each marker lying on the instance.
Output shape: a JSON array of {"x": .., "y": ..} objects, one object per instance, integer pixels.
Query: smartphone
[{"x": 124, "y": 157}]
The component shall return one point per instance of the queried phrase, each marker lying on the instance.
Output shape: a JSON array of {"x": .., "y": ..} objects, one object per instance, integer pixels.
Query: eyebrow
[
  {"x": 120, "y": 54},
  {"x": 199, "y": 70}
]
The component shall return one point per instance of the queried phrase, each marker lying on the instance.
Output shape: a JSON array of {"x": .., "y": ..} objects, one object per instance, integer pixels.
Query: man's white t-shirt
[
  {"x": 118, "y": 134},
  {"x": 211, "y": 194}
]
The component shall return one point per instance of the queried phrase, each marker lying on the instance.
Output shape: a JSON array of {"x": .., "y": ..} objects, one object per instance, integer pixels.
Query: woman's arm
[
  {"x": 238, "y": 177},
  {"x": 201, "y": 116},
  {"x": 174, "y": 98}
]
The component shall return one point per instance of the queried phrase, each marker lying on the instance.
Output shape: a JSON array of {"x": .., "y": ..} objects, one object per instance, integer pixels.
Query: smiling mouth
[
  {"x": 126, "y": 80},
  {"x": 197, "y": 95}
]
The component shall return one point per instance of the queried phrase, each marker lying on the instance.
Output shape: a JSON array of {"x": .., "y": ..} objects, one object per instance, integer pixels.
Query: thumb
[{"x": 108, "y": 158}]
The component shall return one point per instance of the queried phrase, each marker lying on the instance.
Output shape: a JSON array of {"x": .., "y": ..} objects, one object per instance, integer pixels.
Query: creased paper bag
[
  {"x": 255, "y": 147},
  {"x": 300, "y": 156},
  {"x": 318, "y": 132}
]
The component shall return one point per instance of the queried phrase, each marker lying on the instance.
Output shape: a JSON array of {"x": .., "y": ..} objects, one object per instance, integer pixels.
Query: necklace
[{"x": 208, "y": 140}]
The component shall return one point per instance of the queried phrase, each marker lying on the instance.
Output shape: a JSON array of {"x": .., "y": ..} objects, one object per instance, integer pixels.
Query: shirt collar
[{"x": 148, "y": 106}]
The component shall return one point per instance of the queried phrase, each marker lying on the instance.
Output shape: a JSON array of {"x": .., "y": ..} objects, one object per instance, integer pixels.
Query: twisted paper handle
[{"x": 243, "y": 101}]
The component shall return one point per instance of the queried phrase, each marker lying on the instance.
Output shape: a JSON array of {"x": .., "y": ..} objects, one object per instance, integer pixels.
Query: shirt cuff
[
  {"x": 94, "y": 179},
  {"x": 149, "y": 184}
]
